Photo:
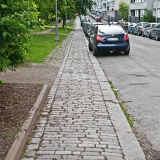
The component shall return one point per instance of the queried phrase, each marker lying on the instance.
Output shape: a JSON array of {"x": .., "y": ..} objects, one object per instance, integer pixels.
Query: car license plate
[{"x": 112, "y": 39}]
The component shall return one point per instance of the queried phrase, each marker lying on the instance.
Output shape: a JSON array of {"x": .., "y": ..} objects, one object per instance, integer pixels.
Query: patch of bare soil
[
  {"x": 18, "y": 94},
  {"x": 16, "y": 100}
]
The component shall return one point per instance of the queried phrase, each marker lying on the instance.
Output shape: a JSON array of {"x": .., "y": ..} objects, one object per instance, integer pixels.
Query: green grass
[
  {"x": 62, "y": 30},
  {"x": 7, "y": 135},
  {"x": 42, "y": 45},
  {"x": 42, "y": 28},
  {"x": 128, "y": 117}
]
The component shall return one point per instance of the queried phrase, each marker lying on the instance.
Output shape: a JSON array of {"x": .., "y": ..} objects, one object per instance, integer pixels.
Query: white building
[
  {"x": 108, "y": 9},
  {"x": 156, "y": 10}
]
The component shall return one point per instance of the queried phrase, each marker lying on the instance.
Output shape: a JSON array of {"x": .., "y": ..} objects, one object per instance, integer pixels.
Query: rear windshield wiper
[{"x": 101, "y": 32}]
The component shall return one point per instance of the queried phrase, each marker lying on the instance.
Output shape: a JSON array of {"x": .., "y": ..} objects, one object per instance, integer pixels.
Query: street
[{"x": 137, "y": 79}]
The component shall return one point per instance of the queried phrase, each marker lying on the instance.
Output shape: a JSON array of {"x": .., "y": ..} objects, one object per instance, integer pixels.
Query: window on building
[
  {"x": 136, "y": 13},
  {"x": 142, "y": 12},
  {"x": 132, "y": 12}
]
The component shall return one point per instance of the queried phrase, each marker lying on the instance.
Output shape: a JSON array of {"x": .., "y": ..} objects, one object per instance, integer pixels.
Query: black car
[
  {"x": 155, "y": 32},
  {"x": 106, "y": 38}
]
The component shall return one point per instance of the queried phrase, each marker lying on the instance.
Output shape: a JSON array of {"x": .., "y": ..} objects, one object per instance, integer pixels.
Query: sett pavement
[{"x": 76, "y": 124}]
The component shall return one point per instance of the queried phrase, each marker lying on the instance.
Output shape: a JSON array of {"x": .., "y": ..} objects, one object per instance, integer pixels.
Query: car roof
[
  {"x": 87, "y": 22},
  {"x": 96, "y": 23}
]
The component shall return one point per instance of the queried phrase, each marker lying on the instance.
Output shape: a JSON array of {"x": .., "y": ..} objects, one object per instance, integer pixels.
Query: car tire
[
  {"x": 95, "y": 52},
  {"x": 150, "y": 36},
  {"x": 157, "y": 38},
  {"x": 127, "y": 52},
  {"x": 90, "y": 47}
]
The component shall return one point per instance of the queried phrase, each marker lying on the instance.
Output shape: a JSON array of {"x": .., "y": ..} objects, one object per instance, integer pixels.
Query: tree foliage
[
  {"x": 46, "y": 8},
  {"x": 16, "y": 20},
  {"x": 148, "y": 16},
  {"x": 123, "y": 9},
  {"x": 81, "y": 6}
]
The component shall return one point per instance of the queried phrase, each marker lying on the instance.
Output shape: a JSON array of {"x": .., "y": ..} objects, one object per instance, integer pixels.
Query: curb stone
[{"x": 19, "y": 143}]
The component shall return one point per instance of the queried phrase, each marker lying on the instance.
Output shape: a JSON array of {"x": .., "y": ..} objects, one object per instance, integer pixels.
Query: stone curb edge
[
  {"x": 20, "y": 141},
  {"x": 128, "y": 141}
]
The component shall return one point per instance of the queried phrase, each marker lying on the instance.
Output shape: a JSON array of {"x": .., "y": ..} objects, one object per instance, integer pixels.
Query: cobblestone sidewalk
[{"x": 75, "y": 124}]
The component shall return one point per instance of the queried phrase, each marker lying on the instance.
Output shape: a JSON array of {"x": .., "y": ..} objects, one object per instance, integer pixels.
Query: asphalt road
[{"x": 137, "y": 78}]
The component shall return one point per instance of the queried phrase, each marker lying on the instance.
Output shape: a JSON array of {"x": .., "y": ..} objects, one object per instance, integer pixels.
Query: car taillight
[
  {"x": 140, "y": 27},
  {"x": 126, "y": 37},
  {"x": 98, "y": 38}
]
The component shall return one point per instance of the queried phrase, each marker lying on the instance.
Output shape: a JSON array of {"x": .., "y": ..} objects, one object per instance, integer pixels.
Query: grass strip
[
  {"x": 128, "y": 117},
  {"x": 41, "y": 45}
]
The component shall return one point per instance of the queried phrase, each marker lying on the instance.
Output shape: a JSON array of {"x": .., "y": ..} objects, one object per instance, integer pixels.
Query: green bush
[
  {"x": 148, "y": 16},
  {"x": 17, "y": 18}
]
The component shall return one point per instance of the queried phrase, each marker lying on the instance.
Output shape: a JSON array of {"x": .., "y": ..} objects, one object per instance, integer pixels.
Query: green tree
[
  {"x": 17, "y": 18},
  {"x": 123, "y": 9},
  {"x": 46, "y": 8},
  {"x": 66, "y": 7},
  {"x": 81, "y": 6},
  {"x": 148, "y": 16}
]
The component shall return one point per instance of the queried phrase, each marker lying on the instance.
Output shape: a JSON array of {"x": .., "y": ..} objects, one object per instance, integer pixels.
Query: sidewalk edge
[{"x": 19, "y": 143}]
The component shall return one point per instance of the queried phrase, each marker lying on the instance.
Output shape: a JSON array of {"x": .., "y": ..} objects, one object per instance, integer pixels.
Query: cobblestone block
[
  {"x": 93, "y": 157},
  {"x": 45, "y": 152},
  {"x": 63, "y": 152}
]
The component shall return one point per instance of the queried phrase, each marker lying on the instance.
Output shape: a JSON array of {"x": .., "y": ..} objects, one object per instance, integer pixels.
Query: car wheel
[
  {"x": 127, "y": 52},
  {"x": 95, "y": 52},
  {"x": 150, "y": 36},
  {"x": 90, "y": 46},
  {"x": 157, "y": 38}
]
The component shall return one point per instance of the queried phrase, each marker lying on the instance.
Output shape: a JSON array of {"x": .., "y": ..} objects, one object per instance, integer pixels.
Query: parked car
[
  {"x": 98, "y": 19},
  {"x": 83, "y": 19},
  {"x": 139, "y": 28},
  {"x": 109, "y": 38},
  {"x": 155, "y": 32},
  {"x": 131, "y": 28},
  {"x": 121, "y": 21},
  {"x": 91, "y": 31},
  {"x": 113, "y": 23},
  {"x": 126, "y": 25},
  {"x": 147, "y": 29},
  {"x": 86, "y": 27}
]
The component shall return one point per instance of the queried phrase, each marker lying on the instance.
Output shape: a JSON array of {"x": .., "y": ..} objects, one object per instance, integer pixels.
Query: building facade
[{"x": 108, "y": 9}]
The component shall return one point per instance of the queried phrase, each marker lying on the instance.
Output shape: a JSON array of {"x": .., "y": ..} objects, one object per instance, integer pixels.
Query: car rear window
[
  {"x": 144, "y": 24},
  {"x": 153, "y": 25},
  {"x": 111, "y": 30}
]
